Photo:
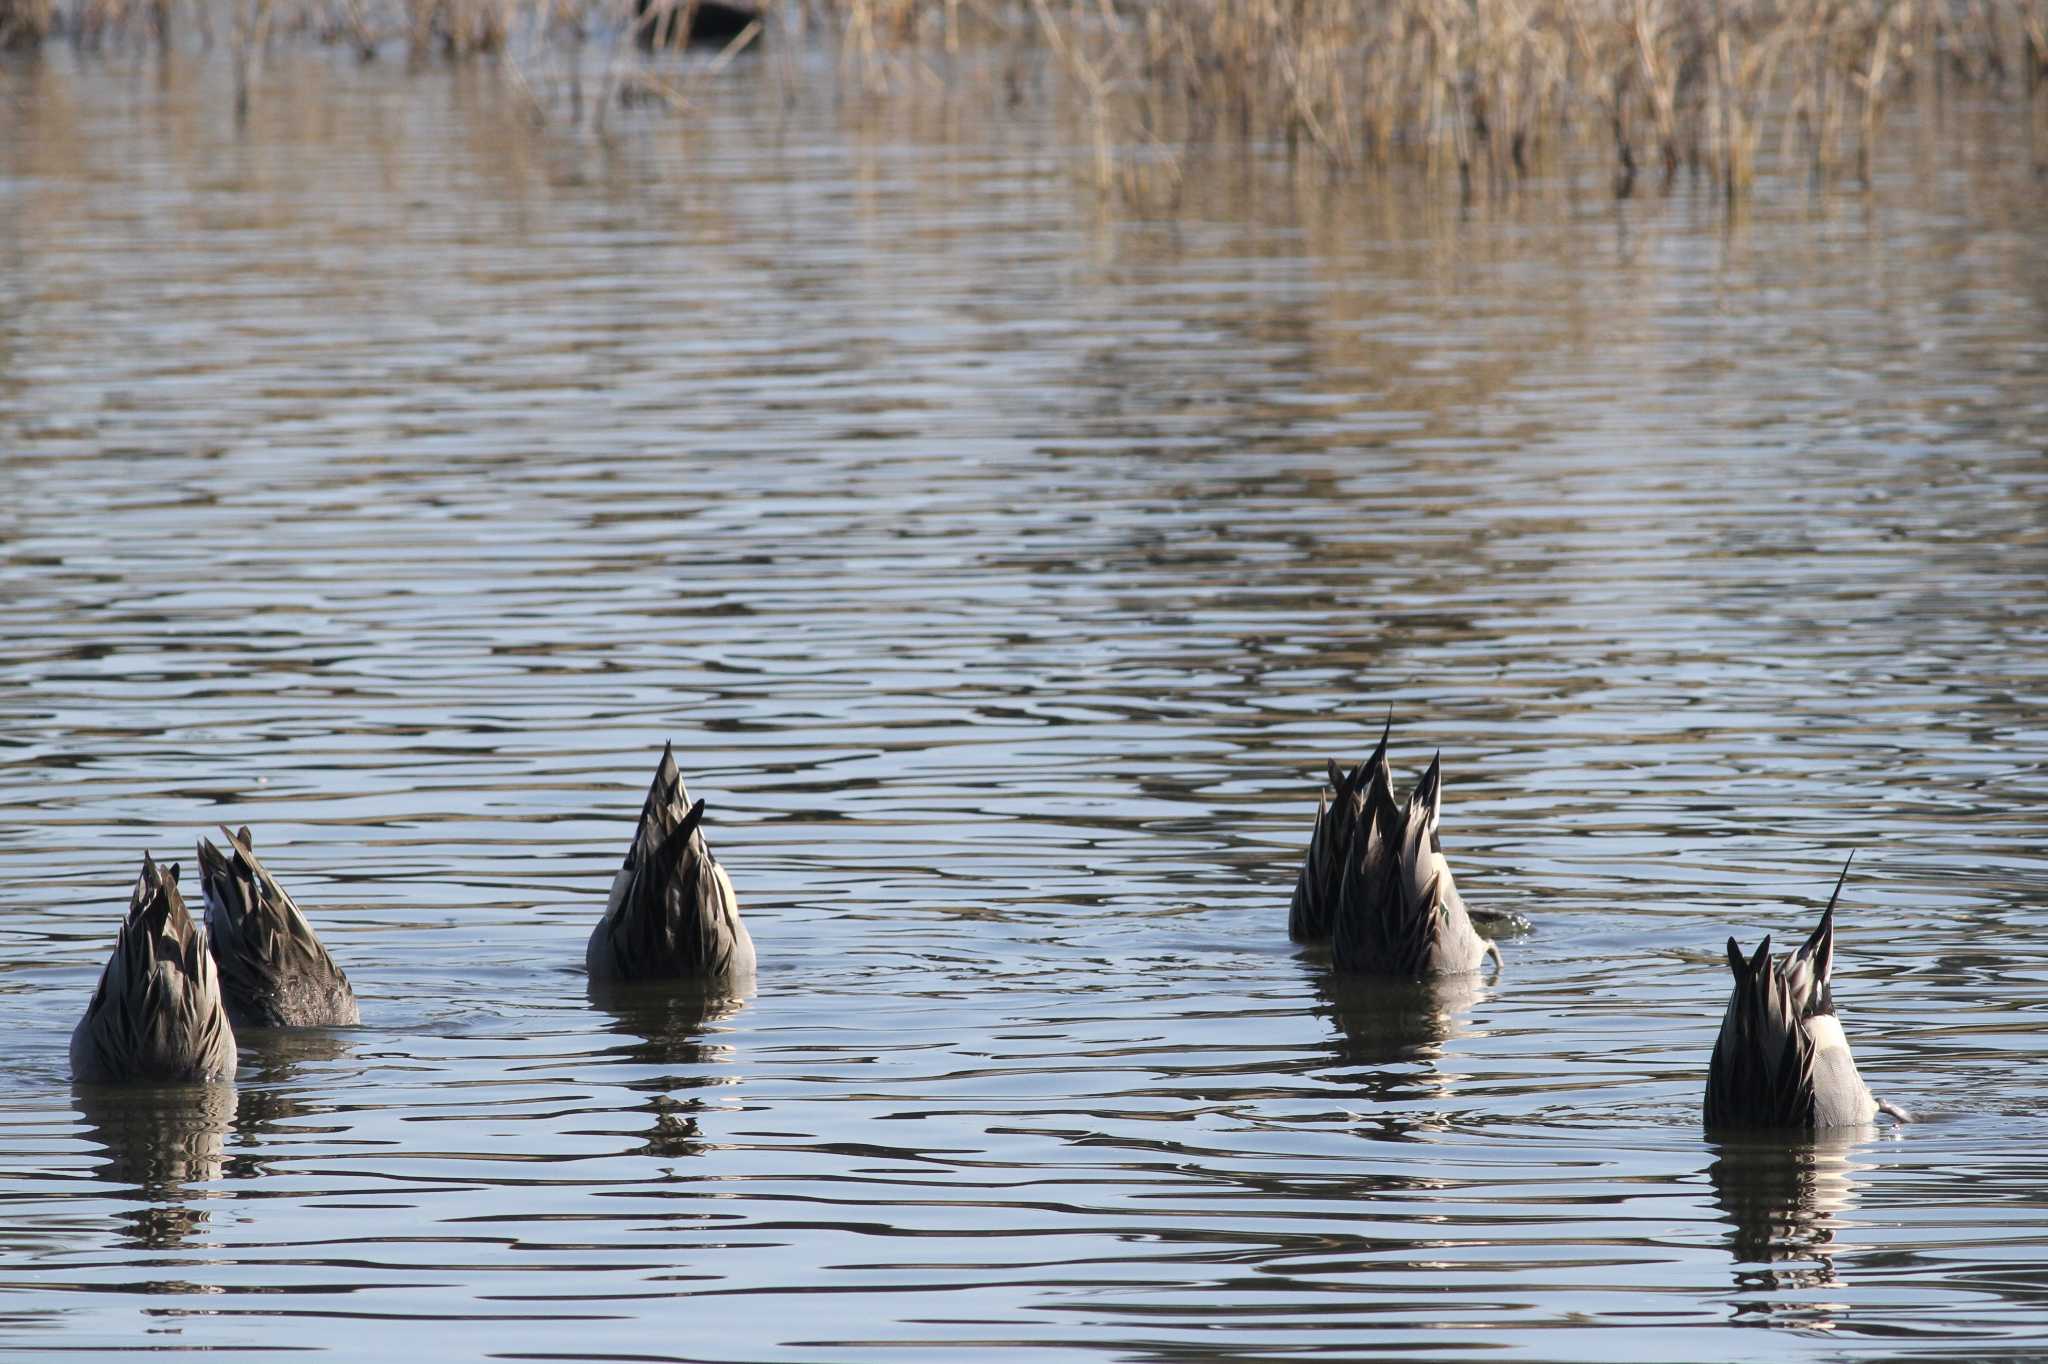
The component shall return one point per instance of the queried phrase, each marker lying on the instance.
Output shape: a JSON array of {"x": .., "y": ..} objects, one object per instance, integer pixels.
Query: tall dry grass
[
  {"x": 1489, "y": 86},
  {"x": 1487, "y": 89}
]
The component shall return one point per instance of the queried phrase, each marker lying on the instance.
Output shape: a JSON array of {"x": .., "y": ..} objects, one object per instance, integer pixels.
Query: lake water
[{"x": 396, "y": 475}]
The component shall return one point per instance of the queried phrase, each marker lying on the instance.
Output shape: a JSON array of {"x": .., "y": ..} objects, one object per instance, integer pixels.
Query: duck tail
[
  {"x": 1379, "y": 786},
  {"x": 653, "y": 927},
  {"x": 1308, "y": 914},
  {"x": 1371, "y": 931},
  {"x": 1761, "y": 1072},
  {"x": 1319, "y": 884},
  {"x": 274, "y": 970},
  {"x": 156, "y": 1013},
  {"x": 666, "y": 790},
  {"x": 684, "y": 845},
  {"x": 1810, "y": 971},
  {"x": 1397, "y": 902}
]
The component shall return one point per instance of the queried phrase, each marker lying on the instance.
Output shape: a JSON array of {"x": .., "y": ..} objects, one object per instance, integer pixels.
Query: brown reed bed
[{"x": 1490, "y": 90}]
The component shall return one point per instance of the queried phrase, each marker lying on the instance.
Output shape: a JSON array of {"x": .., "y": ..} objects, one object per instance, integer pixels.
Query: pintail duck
[
  {"x": 1782, "y": 1059},
  {"x": 1375, "y": 885},
  {"x": 672, "y": 913},
  {"x": 157, "y": 1014},
  {"x": 273, "y": 971}
]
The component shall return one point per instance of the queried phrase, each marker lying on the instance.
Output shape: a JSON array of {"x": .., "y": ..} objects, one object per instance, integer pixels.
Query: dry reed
[{"x": 1485, "y": 88}]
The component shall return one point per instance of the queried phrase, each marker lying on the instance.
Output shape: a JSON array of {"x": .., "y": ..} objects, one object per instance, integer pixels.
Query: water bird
[
  {"x": 1374, "y": 884},
  {"x": 1782, "y": 1059},
  {"x": 274, "y": 973},
  {"x": 157, "y": 1013},
  {"x": 672, "y": 913}
]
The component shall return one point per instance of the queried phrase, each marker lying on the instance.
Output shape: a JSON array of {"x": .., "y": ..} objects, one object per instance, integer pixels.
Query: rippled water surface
[{"x": 395, "y": 476}]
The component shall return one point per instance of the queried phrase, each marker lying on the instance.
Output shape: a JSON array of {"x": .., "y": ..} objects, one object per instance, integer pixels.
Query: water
[{"x": 395, "y": 476}]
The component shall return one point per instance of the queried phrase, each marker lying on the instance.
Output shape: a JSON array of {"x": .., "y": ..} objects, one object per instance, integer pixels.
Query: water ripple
[{"x": 1004, "y": 567}]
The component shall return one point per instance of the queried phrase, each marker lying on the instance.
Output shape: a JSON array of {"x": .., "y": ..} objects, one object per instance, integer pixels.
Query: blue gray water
[{"x": 395, "y": 476}]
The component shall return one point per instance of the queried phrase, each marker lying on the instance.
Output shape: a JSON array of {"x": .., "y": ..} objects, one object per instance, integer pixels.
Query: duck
[
  {"x": 672, "y": 914},
  {"x": 1782, "y": 1059},
  {"x": 1398, "y": 911},
  {"x": 157, "y": 1015},
  {"x": 274, "y": 972}
]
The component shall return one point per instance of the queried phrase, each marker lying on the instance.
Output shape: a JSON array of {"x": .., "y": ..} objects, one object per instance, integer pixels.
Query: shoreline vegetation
[{"x": 1489, "y": 91}]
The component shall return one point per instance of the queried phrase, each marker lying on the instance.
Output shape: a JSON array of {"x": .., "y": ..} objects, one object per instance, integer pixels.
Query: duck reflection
[
  {"x": 667, "y": 1023},
  {"x": 667, "y": 1020},
  {"x": 1784, "y": 1201},
  {"x": 675, "y": 1134},
  {"x": 277, "y": 1096},
  {"x": 1390, "y": 1034},
  {"x": 159, "y": 1141}
]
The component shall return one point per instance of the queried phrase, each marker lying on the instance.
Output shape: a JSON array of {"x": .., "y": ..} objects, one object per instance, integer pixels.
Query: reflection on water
[
  {"x": 395, "y": 475},
  {"x": 159, "y": 1141},
  {"x": 675, "y": 1134},
  {"x": 668, "y": 1024},
  {"x": 1390, "y": 1034},
  {"x": 1785, "y": 1201},
  {"x": 673, "y": 1027},
  {"x": 278, "y": 1088}
]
